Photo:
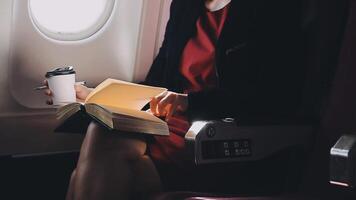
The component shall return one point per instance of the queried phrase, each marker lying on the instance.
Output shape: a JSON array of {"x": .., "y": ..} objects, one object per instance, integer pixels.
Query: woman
[{"x": 219, "y": 58}]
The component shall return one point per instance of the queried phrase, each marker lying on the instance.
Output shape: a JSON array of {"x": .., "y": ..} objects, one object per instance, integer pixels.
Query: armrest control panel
[
  {"x": 224, "y": 141},
  {"x": 226, "y": 149}
]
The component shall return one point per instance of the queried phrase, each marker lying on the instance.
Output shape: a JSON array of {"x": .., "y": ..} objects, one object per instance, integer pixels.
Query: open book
[{"x": 117, "y": 105}]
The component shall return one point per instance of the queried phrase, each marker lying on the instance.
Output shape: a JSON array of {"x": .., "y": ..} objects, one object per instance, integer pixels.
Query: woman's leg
[
  {"x": 112, "y": 166},
  {"x": 70, "y": 191}
]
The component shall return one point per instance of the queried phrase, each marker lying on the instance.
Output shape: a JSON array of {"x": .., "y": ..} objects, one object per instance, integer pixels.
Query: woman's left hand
[{"x": 167, "y": 103}]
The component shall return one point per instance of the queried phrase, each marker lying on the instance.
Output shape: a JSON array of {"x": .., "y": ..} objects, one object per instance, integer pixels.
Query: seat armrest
[
  {"x": 221, "y": 141},
  {"x": 343, "y": 162}
]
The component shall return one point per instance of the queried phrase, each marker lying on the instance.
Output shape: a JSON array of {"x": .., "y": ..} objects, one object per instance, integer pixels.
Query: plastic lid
[{"x": 60, "y": 71}]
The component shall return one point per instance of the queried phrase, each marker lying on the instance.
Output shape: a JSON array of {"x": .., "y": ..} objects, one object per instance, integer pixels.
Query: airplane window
[{"x": 70, "y": 19}]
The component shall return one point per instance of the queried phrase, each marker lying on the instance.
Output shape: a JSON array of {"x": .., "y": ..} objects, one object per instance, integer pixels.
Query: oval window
[{"x": 70, "y": 19}]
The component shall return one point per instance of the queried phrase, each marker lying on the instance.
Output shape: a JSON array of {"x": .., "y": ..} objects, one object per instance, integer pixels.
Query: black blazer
[{"x": 258, "y": 60}]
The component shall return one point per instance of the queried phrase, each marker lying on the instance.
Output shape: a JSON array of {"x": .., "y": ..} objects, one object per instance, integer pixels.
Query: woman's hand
[
  {"x": 81, "y": 92},
  {"x": 167, "y": 103}
]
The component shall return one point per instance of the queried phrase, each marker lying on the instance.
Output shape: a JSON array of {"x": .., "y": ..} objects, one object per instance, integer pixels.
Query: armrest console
[
  {"x": 343, "y": 161},
  {"x": 225, "y": 141}
]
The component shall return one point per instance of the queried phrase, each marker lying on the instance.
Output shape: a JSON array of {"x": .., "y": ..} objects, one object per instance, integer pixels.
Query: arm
[{"x": 265, "y": 78}]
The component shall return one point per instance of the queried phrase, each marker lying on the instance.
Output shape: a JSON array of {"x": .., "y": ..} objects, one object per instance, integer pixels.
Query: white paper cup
[{"x": 62, "y": 87}]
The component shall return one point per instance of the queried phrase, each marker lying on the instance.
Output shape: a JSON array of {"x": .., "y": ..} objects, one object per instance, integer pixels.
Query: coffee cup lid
[{"x": 60, "y": 71}]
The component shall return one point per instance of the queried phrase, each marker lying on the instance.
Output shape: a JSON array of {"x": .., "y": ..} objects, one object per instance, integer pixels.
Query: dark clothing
[
  {"x": 197, "y": 67},
  {"x": 197, "y": 63},
  {"x": 258, "y": 60}
]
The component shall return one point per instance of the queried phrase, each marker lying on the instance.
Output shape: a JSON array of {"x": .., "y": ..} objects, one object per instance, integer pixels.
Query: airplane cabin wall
[
  {"x": 7, "y": 105},
  {"x": 124, "y": 48}
]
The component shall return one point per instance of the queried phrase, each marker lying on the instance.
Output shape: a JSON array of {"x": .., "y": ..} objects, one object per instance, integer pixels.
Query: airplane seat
[
  {"x": 324, "y": 29},
  {"x": 339, "y": 119}
]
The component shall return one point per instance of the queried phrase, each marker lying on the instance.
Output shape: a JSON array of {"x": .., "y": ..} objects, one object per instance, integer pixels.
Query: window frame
[{"x": 75, "y": 36}]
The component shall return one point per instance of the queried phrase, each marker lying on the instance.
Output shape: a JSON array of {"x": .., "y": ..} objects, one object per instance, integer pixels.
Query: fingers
[
  {"x": 153, "y": 106},
  {"x": 161, "y": 96},
  {"x": 154, "y": 103},
  {"x": 48, "y": 92},
  {"x": 81, "y": 91},
  {"x": 172, "y": 109},
  {"x": 162, "y": 106},
  {"x": 79, "y": 87},
  {"x": 49, "y": 101}
]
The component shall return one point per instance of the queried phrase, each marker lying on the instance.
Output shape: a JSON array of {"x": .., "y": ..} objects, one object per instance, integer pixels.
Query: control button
[
  {"x": 211, "y": 131},
  {"x": 227, "y": 152},
  {"x": 246, "y": 144},
  {"x": 236, "y": 144},
  {"x": 237, "y": 152},
  {"x": 226, "y": 145},
  {"x": 248, "y": 152}
]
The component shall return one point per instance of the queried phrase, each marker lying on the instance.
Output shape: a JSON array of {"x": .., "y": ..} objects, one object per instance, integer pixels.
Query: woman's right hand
[{"x": 81, "y": 92}]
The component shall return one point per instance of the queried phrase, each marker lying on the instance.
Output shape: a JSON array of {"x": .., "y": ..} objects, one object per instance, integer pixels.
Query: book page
[
  {"x": 121, "y": 94},
  {"x": 138, "y": 114},
  {"x": 64, "y": 109},
  {"x": 127, "y": 120}
]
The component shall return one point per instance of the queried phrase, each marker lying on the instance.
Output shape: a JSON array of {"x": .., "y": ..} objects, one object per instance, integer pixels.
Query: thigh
[{"x": 99, "y": 140}]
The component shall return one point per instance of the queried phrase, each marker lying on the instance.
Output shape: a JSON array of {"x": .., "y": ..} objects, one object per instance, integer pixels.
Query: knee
[
  {"x": 70, "y": 191},
  {"x": 72, "y": 177},
  {"x": 100, "y": 142}
]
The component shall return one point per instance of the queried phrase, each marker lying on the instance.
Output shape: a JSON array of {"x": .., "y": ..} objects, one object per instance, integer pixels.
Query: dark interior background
[{"x": 324, "y": 22}]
